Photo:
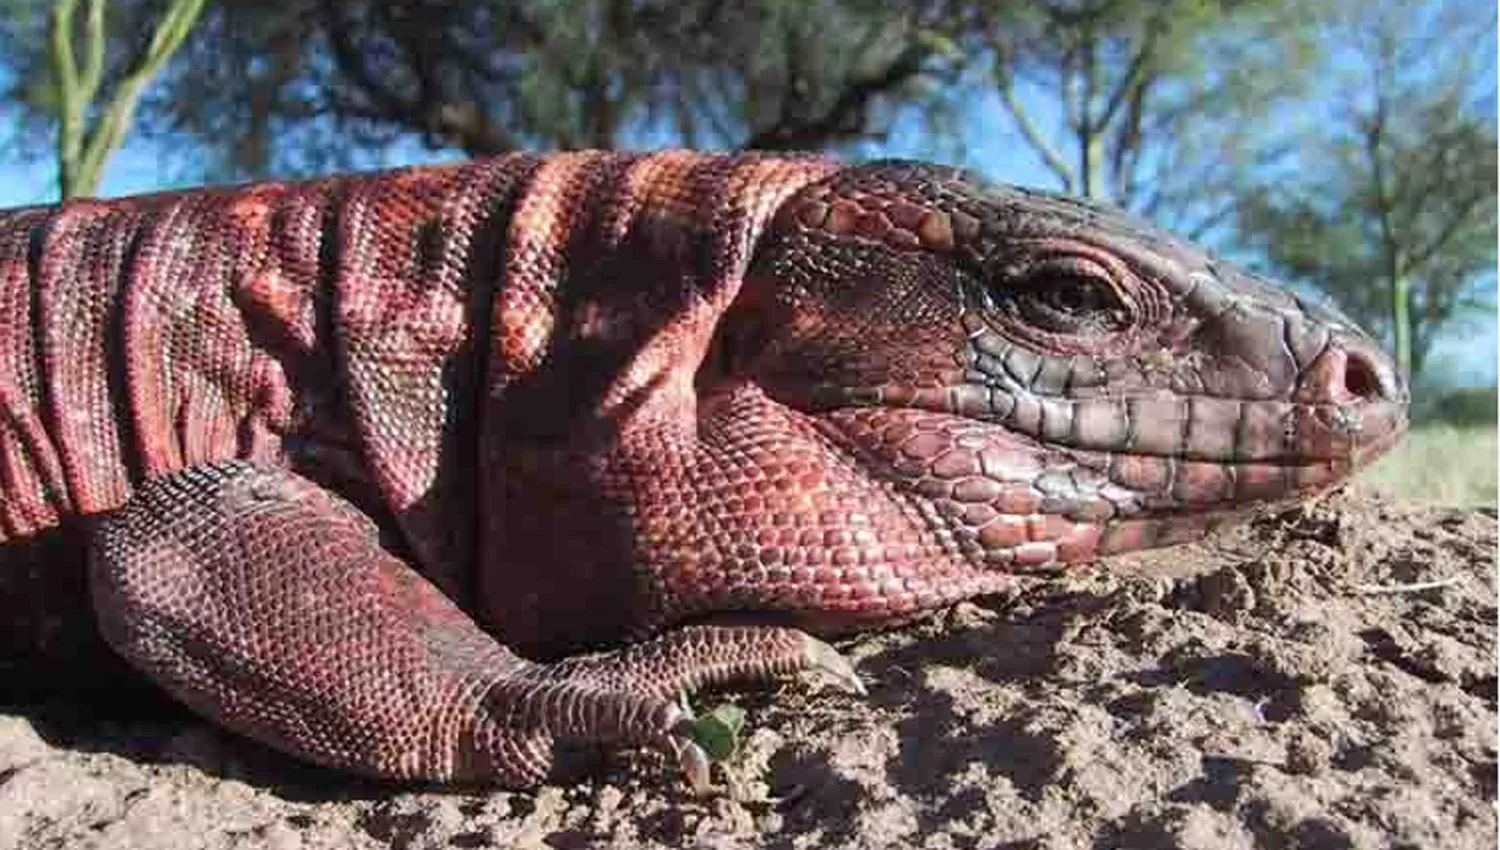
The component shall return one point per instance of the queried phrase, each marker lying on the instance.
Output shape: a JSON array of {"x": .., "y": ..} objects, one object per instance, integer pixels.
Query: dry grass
[{"x": 1442, "y": 465}]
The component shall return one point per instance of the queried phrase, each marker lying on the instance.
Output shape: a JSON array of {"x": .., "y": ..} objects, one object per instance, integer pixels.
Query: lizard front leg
[{"x": 267, "y": 604}]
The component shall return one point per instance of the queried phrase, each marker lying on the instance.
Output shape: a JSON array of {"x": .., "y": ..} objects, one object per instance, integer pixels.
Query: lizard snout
[{"x": 1355, "y": 391}]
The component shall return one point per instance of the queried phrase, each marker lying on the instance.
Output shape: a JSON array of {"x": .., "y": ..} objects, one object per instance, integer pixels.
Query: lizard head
[{"x": 1048, "y": 379}]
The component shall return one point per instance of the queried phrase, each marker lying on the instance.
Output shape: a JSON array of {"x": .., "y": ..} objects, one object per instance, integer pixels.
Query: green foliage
[
  {"x": 718, "y": 732},
  {"x": 309, "y": 85},
  {"x": 1462, "y": 407}
]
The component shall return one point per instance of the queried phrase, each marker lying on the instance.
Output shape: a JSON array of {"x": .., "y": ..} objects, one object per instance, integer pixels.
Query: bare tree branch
[{"x": 1005, "y": 82}]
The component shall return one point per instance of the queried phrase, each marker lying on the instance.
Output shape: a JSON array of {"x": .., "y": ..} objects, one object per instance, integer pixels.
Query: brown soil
[{"x": 1243, "y": 692}]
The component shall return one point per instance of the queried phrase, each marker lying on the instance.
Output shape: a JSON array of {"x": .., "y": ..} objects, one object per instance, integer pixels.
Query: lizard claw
[
  {"x": 821, "y": 656},
  {"x": 694, "y": 764},
  {"x": 694, "y": 761},
  {"x": 678, "y": 742}
]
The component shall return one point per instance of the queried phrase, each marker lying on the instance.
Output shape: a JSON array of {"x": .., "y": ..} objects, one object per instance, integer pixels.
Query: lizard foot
[
  {"x": 632, "y": 696},
  {"x": 267, "y": 604},
  {"x": 694, "y": 761}
]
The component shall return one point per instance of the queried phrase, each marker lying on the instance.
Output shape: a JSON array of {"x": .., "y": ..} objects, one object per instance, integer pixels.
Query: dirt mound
[{"x": 1280, "y": 685}]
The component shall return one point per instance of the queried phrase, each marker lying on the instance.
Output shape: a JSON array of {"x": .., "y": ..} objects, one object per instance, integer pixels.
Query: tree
[
  {"x": 90, "y": 128},
  {"x": 1160, "y": 106},
  {"x": 1393, "y": 210},
  {"x": 307, "y": 85}
]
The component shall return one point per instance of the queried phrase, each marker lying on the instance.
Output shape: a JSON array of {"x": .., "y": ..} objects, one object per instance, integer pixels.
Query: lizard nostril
[
  {"x": 1360, "y": 378},
  {"x": 1341, "y": 375}
]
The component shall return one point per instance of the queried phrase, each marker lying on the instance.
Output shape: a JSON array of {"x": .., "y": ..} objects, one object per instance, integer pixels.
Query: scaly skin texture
[{"x": 361, "y": 466}]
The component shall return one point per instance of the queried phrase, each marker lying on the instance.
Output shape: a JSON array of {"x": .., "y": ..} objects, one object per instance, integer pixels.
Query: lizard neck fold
[
  {"x": 618, "y": 272},
  {"x": 617, "y": 269}
]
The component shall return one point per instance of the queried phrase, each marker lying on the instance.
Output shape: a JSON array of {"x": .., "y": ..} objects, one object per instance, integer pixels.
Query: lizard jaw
[
  {"x": 1017, "y": 503},
  {"x": 1025, "y": 481}
]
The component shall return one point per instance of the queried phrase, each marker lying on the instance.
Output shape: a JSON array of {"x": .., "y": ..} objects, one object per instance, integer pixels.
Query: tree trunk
[
  {"x": 86, "y": 140},
  {"x": 1401, "y": 323}
]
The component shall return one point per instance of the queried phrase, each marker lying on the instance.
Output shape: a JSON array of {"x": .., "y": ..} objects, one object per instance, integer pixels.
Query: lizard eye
[{"x": 1063, "y": 295}]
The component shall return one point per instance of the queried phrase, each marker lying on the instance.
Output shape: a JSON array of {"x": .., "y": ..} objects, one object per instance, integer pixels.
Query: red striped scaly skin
[{"x": 592, "y": 397}]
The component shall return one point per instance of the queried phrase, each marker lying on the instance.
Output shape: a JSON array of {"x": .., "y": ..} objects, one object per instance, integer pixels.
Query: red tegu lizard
[{"x": 428, "y": 474}]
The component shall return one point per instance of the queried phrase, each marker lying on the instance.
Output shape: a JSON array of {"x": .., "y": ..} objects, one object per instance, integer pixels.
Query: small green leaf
[
  {"x": 718, "y": 732},
  {"x": 938, "y": 44}
]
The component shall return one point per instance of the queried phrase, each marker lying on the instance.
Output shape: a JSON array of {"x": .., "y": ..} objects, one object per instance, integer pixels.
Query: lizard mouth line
[
  {"x": 1066, "y": 479},
  {"x": 1189, "y": 429},
  {"x": 1015, "y": 499},
  {"x": 1009, "y": 501}
]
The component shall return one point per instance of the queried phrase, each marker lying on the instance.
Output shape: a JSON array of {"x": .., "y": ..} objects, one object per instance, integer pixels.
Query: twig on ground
[{"x": 1414, "y": 587}]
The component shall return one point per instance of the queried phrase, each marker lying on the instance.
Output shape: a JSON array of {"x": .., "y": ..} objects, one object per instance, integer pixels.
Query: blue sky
[{"x": 1465, "y": 356}]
